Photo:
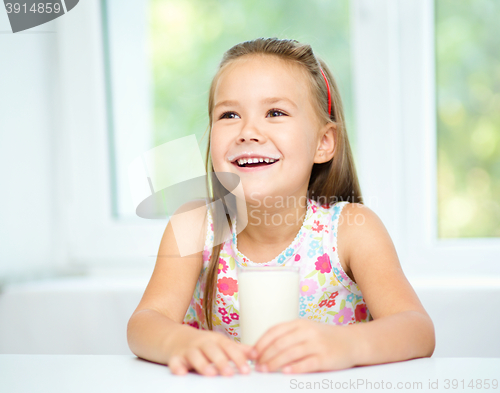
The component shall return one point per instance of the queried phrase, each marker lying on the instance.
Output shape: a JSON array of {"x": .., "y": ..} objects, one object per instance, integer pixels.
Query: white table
[{"x": 121, "y": 373}]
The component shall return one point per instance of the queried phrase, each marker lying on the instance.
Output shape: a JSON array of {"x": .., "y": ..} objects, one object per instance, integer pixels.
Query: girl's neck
[{"x": 273, "y": 221}]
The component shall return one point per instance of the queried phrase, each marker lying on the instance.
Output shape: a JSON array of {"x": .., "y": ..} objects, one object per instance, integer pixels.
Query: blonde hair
[{"x": 334, "y": 180}]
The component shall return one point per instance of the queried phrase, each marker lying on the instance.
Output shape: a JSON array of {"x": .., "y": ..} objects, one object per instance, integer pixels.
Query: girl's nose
[{"x": 250, "y": 132}]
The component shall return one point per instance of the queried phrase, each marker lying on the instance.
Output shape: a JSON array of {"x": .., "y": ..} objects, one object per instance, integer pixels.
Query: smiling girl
[{"x": 276, "y": 121}]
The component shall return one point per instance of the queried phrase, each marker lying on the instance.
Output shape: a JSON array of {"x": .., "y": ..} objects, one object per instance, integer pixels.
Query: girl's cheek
[
  {"x": 216, "y": 148},
  {"x": 216, "y": 158}
]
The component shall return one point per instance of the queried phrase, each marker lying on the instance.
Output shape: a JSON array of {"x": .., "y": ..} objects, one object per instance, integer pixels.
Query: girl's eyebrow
[
  {"x": 226, "y": 103},
  {"x": 273, "y": 100},
  {"x": 266, "y": 101}
]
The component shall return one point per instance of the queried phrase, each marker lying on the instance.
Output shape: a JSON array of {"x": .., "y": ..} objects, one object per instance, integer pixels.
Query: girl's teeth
[{"x": 243, "y": 161}]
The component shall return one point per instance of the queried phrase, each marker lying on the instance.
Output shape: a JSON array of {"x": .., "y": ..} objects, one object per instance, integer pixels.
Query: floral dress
[{"x": 327, "y": 294}]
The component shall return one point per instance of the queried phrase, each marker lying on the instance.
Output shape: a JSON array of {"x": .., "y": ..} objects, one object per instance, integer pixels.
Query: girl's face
[{"x": 263, "y": 108}]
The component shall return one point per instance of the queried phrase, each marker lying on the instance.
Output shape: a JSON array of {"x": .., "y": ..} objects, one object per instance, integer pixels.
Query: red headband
[{"x": 329, "y": 94}]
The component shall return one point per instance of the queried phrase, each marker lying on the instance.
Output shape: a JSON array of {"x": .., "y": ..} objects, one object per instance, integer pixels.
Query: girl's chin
[{"x": 262, "y": 198}]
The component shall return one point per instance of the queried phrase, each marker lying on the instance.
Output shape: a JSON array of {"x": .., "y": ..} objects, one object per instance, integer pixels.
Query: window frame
[
  {"x": 403, "y": 146},
  {"x": 95, "y": 240}
]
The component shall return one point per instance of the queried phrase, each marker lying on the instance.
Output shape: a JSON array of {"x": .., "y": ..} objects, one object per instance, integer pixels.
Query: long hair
[{"x": 333, "y": 180}]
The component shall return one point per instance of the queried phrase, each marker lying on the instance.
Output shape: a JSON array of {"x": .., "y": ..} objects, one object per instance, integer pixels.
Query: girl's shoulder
[
  {"x": 356, "y": 225},
  {"x": 356, "y": 217},
  {"x": 189, "y": 224}
]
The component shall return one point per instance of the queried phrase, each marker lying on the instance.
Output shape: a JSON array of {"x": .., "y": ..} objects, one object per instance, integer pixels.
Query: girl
[{"x": 276, "y": 121}]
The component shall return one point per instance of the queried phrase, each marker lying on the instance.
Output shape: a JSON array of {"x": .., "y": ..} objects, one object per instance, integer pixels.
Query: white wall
[
  {"x": 28, "y": 70},
  {"x": 89, "y": 316}
]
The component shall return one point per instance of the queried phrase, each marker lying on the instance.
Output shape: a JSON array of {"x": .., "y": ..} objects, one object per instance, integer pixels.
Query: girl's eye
[
  {"x": 228, "y": 115},
  {"x": 275, "y": 113}
]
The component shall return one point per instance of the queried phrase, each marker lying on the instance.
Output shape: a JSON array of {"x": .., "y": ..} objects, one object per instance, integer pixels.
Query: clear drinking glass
[{"x": 268, "y": 296}]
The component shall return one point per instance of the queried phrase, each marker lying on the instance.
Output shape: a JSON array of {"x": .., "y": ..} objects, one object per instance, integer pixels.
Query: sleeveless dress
[{"x": 327, "y": 294}]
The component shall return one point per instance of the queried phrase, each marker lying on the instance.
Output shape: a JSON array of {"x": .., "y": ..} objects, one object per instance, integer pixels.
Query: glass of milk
[{"x": 268, "y": 296}]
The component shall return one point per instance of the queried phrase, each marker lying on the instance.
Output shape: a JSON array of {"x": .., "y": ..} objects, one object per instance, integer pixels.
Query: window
[
  {"x": 468, "y": 118},
  {"x": 161, "y": 55},
  {"x": 173, "y": 49}
]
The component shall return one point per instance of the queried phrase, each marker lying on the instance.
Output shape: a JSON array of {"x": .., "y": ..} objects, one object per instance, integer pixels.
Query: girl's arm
[
  {"x": 401, "y": 328},
  {"x": 155, "y": 331}
]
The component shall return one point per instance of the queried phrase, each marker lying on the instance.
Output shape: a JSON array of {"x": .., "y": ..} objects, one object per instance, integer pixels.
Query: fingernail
[
  {"x": 262, "y": 368},
  {"x": 210, "y": 370},
  {"x": 287, "y": 370},
  {"x": 245, "y": 369}
]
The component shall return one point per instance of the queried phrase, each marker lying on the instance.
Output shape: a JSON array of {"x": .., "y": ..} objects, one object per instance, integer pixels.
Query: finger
[
  {"x": 291, "y": 355},
  {"x": 178, "y": 365},
  {"x": 239, "y": 354},
  {"x": 272, "y": 334},
  {"x": 248, "y": 350},
  {"x": 281, "y": 345},
  {"x": 214, "y": 353},
  {"x": 306, "y": 365},
  {"x": 200, "y": 363}
]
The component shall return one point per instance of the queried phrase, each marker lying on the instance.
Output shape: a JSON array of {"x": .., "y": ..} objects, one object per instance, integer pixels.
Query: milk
[{"x": 267, "y": 296}]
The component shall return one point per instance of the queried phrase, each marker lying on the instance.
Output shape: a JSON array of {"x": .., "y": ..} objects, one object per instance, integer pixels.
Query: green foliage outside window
[{"x": 468, "y": 117}]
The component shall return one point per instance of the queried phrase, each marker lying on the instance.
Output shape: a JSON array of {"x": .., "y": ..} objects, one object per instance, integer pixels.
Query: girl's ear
[{"x": 326, "y": 143}]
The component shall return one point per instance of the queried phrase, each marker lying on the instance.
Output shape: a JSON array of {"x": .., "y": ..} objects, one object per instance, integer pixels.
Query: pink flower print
[
  {"x": 222, "y": 311},
  {"x": 297, "y": 257},
  {"x": 226, "y": 319},
  {"x": 314, "y": 208},
  {"x": 227, "y": 248},
  {"x": 227, "y": 286},
  {"x": 199, "y": 312},
  {"x": 319, "y": 227},
  {"x": 308, "y": 287},
  {"x": 212, "y": 226},
  {"x": 234, "y": 316},
  {"x": 323, "y": 264},
  {"x": 222, "y": 266},
  {"x": 343, "y": 317},
  {"x": 206, "y": 254},
  {"x": 344, "y": 276},
  {"x": 194, "y": 324},
  {"x": 333, "y": 249},
  {"x": 361, "y": 312}
]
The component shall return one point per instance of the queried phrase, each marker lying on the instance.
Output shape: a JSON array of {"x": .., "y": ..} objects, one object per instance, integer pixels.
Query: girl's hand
[
  {"x": 302, "y": 346},
  {"x": 208, "y": 353}
]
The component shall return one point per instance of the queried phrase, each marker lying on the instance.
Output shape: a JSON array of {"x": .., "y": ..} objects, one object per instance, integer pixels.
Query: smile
[{"x": 255, "y": 164}]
